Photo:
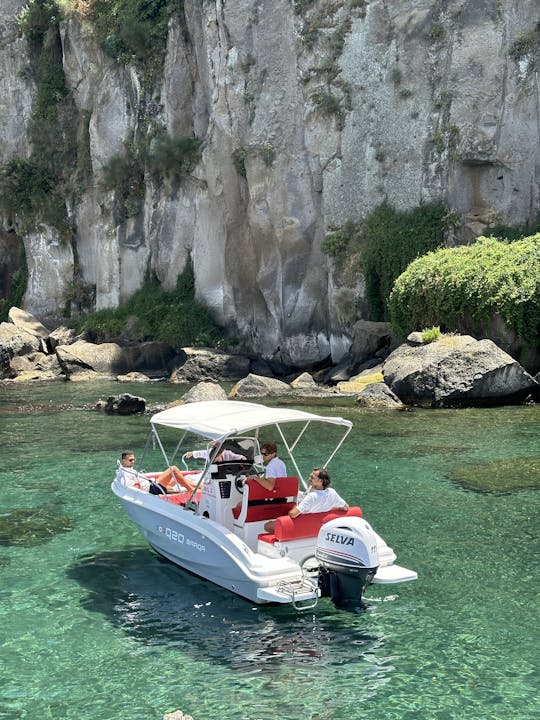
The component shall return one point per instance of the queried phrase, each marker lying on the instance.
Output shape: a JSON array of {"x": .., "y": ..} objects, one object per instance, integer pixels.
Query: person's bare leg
[{"x": 181, "y": 479}]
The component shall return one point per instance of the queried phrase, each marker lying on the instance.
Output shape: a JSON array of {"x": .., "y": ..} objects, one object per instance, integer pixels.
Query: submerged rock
[
  {"x": 499, "y": 476},
  {"x": 29, "y": 527}
]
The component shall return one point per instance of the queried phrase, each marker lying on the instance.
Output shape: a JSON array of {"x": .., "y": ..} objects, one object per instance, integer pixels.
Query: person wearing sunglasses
[
  {"x": 274, "y": 466},
  {"x": 166, "y": 482}
]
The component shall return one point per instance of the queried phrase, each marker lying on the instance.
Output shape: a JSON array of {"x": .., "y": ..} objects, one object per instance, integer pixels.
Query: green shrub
[
  {"x": 430, "y": 335},
  {"x": 124, "y": 174},
  {"x": 133, "y": 30},
  {"x": 391, "y": 239},
  {"x": 175, "y": 157},
  {"x": 385, "y": 243},
  {"x": 515, "y": 232},
  {"x": 153, "y": 313},
  {"x": 475, "y": 282},
  {"x": 36, "y": 17},
  {"x": 19, "y": 281},
  {"x": 335, "y": 242}
]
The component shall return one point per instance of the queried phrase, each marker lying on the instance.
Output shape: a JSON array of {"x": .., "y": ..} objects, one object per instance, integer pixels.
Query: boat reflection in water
[{"x": 157, "y": 603}]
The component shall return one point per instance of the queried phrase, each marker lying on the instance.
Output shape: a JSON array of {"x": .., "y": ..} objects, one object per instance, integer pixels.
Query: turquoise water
[{"x": 95, "y": 626}]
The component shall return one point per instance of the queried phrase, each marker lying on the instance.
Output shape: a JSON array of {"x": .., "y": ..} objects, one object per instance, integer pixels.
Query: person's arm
[
  {"x": 198, "y": 454},
  {"x": 343, "y": 507},
  {"x": 294, "y": 512},
  {"x": 266, "y": 482}
]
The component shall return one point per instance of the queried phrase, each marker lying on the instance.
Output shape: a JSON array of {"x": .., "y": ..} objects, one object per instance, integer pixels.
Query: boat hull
[{"x": 205, "y": 548}]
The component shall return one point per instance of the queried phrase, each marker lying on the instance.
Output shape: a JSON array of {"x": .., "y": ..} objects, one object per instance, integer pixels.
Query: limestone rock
[
  {"x": 82, "y": 356},
  {"x": 379, "y": 395},
  {"x": 205, "y": 364},
  {"x": 27, "y": 322},
  {"x": 362, "y": 380},
  {"x": 125, "y": 404},
  {"x": 259, "y": 386},
  {"x": 304, "y": 381},
  {"x": 133, "y": 377},
  {"x": 113, "y": 359},
  {"x": 36, "y": 366},
  {"x": 371, "y": 338},
  {"x": 454, "y": 371},
  {"x": 204, "y": 391},
  {"x": 61, "y": 336},
  {"x": 438, "y": 92},
  {"x": 14, "y": 342}
]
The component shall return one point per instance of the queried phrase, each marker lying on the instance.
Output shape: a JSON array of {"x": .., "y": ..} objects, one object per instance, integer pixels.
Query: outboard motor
[{"x": 348, "y": 560}]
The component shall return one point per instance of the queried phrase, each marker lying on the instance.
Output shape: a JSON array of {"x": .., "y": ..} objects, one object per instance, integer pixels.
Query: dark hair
[
  {"x": 126, "y": 453},
  {"x": 270, "y": 446},
  {"x": 324, "y": 477}
]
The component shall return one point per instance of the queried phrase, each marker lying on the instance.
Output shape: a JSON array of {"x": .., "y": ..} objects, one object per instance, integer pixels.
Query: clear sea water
[{"x": 94, "y": 626}]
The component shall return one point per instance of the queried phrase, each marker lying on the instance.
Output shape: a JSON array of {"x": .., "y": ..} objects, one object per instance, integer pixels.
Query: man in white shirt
[
  {"x": 275, "y": 467},
  {"x": 319, "y": 498},
  {"x": 170, "y": 480}
]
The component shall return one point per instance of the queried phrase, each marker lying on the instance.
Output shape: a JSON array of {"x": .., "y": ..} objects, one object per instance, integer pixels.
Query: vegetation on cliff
[
  {"x": 382, "y": 245},
  {"x": 454, "y": 286},
  {"x": 153, "y": 313}
]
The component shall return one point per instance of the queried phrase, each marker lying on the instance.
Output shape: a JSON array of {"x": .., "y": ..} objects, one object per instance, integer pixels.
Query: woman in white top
[{"x": 319, "y": 498}]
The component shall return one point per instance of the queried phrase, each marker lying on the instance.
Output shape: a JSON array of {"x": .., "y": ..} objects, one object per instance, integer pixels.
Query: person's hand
[{"x": 189, "y": 454}]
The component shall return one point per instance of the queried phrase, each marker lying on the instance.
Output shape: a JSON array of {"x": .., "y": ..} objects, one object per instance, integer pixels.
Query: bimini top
[{"x": 215, "y": 419}]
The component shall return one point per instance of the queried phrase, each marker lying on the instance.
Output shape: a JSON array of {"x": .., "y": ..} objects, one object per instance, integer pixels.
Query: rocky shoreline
[{"x": 453, "y": 371}]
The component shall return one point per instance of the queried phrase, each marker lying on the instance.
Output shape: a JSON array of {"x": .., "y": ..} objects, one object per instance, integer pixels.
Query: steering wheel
[{"x": 241, "y": 477}]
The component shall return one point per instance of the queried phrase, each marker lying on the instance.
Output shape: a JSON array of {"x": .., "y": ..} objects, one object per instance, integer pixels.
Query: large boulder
[
  {"x": 82, "y": 356},
  {"x": 204, "y": 391},
  {"x": 36, "y": 366},
  {"x": 26, "y": 321},
  {"x": 456, "y": 370},
  {"x": 259, "y": 386},
  {"x": 378, "y": 395},
  {"x": 204, "y": 364},
  {"x": 125, "y": 404},
  {"x": 15, "y": 341},
  {"x": 151, "y": 358}
]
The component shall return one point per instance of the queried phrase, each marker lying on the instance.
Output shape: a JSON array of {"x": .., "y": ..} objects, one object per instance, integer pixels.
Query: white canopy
[{"x": 216, "y": 419}]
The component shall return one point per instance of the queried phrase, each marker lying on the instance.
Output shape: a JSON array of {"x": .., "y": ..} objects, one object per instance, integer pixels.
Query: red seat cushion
[
  {"x": 266, "y": 504},
  {"x": 304, "y": 526},
  {"x": 179, "y": 498}
]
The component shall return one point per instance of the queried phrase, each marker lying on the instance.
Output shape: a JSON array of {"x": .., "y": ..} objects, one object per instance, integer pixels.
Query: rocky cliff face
[{"x": 312, "y": 113}]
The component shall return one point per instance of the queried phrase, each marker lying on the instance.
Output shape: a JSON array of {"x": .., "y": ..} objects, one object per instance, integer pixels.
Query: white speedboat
[{"x": 217, "y": 531}]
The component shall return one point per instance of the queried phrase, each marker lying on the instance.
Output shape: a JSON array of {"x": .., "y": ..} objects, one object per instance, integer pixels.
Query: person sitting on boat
[
  {"x": 319, "y": 498},
  {"x": 166, "y": 482},
  {"x": 223, "y": 454},
  {"x": 274, "y": 468}
]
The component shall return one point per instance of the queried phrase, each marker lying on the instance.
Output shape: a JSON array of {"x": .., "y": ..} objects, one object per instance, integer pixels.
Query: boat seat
[
  {"x": 304, "y": 526},
  {"x": 258, "y": 503},
  {"x": 179, "y": 498}
]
